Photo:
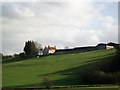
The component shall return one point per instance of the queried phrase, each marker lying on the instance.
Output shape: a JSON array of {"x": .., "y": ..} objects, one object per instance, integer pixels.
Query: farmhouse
[{"x": 49, "y": 50}]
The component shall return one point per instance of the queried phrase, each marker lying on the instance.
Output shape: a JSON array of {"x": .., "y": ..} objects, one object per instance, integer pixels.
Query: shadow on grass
[
  {"x": 73, "y": 76},
  {"x": 85, "y": 66}
]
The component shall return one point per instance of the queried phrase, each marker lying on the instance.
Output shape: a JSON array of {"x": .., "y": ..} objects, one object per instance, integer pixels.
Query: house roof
[
  {"x": 84, "y": 47},
  {"x": 111, "y": 44},
  {"x": 51, "y": 48},
  {"x": 101, "y": 44}
]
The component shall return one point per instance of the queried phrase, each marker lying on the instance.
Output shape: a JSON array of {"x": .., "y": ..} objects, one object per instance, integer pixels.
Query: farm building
[
  {"x": 49, "y": 50},
  {"x": 112, "y": 45},
  {"x": 81, "y": 49},
  {"x": 109, "y": 47},
  {"x": 74, "y": 50},
  {"x": 64, "y": 51},
  {"x": 52, "y": 50},
  {"x": 101, "y": 46}
]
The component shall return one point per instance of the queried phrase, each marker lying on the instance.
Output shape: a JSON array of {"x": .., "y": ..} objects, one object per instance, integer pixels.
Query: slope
[{"x": 60, "y": 69}]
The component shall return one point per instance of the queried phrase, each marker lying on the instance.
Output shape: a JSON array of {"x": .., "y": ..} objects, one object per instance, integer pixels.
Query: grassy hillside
[{"x": 62, "y": 69}]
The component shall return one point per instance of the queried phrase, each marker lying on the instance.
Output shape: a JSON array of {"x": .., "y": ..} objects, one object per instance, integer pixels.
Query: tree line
[{"x": 30, "y": 49}]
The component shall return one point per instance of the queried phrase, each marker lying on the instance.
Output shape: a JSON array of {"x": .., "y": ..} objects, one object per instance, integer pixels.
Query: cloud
[
  {"x": 16, "y": 10},
  {"x": 6, "y": 12},
  {"x": 55, "y": 23}
]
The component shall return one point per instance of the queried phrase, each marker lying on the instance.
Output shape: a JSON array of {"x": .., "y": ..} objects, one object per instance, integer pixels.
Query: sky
[{"x": 59, "y": 24}]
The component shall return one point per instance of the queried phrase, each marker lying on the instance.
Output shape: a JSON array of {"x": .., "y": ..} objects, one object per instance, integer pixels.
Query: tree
[
  {"x": 38, "y": 46},
  {"x": 30, "y": 48},
  {"x": 27, "y": 48}
]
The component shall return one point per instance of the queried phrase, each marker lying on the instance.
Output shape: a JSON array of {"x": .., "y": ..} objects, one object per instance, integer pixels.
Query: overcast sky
[{"x": 58, "y": 24}]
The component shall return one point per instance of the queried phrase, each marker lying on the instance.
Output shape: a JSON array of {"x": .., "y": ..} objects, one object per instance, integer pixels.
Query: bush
[
  {"x": 101, "y": 77},
  {"x": 22, "y": 55},
  {"x": 47, "y": 82}
]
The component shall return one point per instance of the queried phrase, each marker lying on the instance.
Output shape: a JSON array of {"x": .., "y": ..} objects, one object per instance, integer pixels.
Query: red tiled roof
[{"x": 51, "y": 48}]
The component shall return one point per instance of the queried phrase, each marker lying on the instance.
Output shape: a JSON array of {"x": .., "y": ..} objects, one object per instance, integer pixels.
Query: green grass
[
  {"x": 89, "y": 88},
  {"x": 85, "y": 87},
  {"x": 60, "y": 69}
]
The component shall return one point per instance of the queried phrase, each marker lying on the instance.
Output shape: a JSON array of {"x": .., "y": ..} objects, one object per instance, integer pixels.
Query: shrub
[
  {"x": 101, "y": 77},
  {"x": 47, "y": 82}
]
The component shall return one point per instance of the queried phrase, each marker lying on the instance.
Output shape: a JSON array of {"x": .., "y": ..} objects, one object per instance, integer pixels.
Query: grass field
[
  {"x": 90, "y": 88},
  {"x": 82, "y": 88},
  {"x": 59, "y": 69}
]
